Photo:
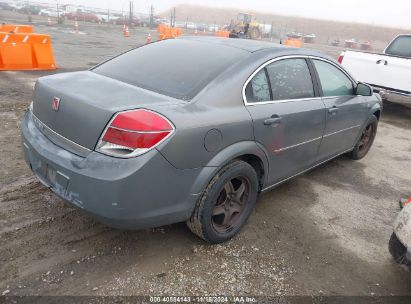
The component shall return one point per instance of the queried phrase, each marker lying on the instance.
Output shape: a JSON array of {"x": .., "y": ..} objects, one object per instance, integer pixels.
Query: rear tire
[
  {"x": 399, "y": 251},
  {"x": 254, "y": 33},
  {"x": 366, "y": 139},
  {"x": 226, "y": 203}
]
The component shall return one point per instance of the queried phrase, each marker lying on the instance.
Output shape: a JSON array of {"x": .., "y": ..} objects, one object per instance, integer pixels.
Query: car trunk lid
[{"x": 86, "y": 103}]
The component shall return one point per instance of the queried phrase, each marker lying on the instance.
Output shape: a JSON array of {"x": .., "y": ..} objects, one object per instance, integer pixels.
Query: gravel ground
[{"x": 323, "y": 233}]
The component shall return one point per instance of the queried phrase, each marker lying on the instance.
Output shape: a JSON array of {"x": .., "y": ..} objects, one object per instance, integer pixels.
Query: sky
[{"x": 393, "y": 13}]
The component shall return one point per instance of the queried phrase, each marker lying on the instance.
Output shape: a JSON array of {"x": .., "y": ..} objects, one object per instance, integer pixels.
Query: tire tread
[{"x": 195, "y": 221}]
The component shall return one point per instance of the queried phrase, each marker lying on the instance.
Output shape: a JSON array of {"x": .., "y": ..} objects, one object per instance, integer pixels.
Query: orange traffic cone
[
  {"x": 48, "y": 21},
  {"x": 148, "y": 38},
  {"x": 76, "y": 27},
  {"x": 126, "y": 33}
]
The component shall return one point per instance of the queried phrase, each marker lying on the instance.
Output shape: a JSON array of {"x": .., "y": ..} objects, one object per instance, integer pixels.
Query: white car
[
  {"x": 389, "y": 72},
  {"x": 213, "y": 28},
  {"x": 191, "y": 25},
  {"x": 51, "y": 13}
]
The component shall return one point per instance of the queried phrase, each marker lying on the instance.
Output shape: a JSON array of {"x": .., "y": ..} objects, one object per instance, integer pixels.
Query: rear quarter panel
[
  {"x": 215, "y": 120},
  {"x": 205, "y": 128}
]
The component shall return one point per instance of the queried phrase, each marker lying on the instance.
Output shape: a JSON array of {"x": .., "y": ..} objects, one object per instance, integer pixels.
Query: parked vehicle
[
  {"x": 351, "y": 43},
  {"x": 202, "y": 27},
  {"x": 162, "y": 21},
  {"x": 400, "y": 241},
  {"x": 310, "y": 38},
  {"x": 366, "y": 46},
  {"x": 126, "y": 20},
  {"x": 213, "y": 28},
  {"x": 193, "y": 129},
  {"x": 103, "y": 18},
  {"x": 51, "y": 13},
  {"x": 335, "y": 42},
  {"x": 389, "y": 72},
  {"x": 245, "y": 27},
  {"x": 83, "y": 16},
  {"x": 191, "y": 26}
]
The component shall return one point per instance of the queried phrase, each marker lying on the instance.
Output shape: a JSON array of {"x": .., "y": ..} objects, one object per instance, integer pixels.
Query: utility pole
[
  {"x": 58, "y": 14},
  {"x": 272, "y": 30},
  {"x": 173, "y": 17},
  {"x": 151, "y": 16},
  {"x": 131, "y": 12},
  {"x": 29, "y": 11},
  {"x": 108, "y": 12}
]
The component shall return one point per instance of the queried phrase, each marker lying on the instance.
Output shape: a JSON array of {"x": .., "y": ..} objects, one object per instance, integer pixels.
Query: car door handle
[
  {"x": 275, "y": 119},
  {"x": 333, "y": 110},
  {"x": 382, "y": 60}
]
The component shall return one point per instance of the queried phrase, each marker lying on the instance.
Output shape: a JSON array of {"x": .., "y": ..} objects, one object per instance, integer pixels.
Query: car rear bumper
[{"x": 141, "y": 192}]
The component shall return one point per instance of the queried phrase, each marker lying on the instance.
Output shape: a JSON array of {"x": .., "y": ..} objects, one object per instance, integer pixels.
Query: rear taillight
[
  {"x": 134, "y": 132},
  {"x": 341, "y": 57}
]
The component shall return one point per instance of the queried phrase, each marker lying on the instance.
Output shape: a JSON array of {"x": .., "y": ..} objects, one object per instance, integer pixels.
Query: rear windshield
[
  {"x": 178, "y": 68},
  {"x": 400, "y": 47}
]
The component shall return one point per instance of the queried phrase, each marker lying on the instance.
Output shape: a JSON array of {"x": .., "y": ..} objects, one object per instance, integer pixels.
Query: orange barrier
[
  {"x": 293, "y": 42},
  {"x": 161, "y": 28},
  {"x": 167, "y": 32},
  {"x": 26, "y": 52},
  {"x": 224, "y": 34},
  {"x": 16, "y": 28}
]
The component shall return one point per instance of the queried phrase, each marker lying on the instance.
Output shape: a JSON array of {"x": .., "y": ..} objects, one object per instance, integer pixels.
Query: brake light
[
  {"x": 134, "y": 132},
  {"x": 341, "y": 57}
]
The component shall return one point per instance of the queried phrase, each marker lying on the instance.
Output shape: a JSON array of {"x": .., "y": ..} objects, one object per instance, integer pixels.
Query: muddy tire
[
  {"x": 254, "y": 33},
  {"x": 366, "y": 139},
  {"x": 225, "y": 205},
  {"x": 398, "y": 251}
]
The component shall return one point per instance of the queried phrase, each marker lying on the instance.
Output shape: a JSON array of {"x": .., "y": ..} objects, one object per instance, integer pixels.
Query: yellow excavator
[{"x": 245, "y": 27}]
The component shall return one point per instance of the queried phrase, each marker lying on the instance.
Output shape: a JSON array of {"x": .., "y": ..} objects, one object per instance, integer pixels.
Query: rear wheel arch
[
  {"x": 247, "y": 151},
  {"x": 377, "y": 114},
  {"x": 204, "y": 218},
  {"x": 257, "y": 164}
]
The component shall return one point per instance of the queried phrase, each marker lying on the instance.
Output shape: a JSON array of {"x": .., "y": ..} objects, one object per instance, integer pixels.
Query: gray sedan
[{"x": 193, "y": 129}]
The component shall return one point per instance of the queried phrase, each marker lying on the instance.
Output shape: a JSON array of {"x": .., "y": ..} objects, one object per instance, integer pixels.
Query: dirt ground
[{"x": 323, "y": 233}]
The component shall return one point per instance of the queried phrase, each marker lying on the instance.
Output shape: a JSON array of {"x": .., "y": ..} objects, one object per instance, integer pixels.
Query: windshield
[
  {"x": 400, "y": 47},
  {"x": 176, "y": 67}
]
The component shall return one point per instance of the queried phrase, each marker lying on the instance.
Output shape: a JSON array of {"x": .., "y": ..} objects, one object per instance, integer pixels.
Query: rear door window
[
  {"x": 400, "y": 47},
  {"x": 258, "y": 89},
  {"x": 290, "y": 79},
  {"x": 333, "y": 81}
]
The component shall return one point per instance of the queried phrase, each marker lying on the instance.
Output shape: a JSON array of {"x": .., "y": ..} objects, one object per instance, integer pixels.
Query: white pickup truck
[{"x": 389, "y": 73}]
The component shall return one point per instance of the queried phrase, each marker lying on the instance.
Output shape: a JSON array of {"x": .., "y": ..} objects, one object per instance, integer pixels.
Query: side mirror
[{"x": 363, "y": 89}]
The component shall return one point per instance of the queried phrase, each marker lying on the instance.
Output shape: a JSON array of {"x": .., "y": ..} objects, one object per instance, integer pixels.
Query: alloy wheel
[{"x": 230, "y": 205}]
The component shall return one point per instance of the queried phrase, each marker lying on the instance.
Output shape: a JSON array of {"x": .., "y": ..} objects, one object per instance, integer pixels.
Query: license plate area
[{"x": 49, "y": 176}]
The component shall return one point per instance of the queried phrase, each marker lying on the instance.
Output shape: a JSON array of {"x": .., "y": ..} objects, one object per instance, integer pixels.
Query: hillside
[{"x": 325, "y": 30}]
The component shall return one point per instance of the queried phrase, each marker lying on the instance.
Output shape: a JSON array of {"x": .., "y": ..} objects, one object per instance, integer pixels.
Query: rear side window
[
  {"x": 290, "y": 79},
  {"x": 176, "y": 67},
  {"x": 333, "y": 81},
  {"x": 400, "y": 47},
  {"x": 258, "y": 89}
]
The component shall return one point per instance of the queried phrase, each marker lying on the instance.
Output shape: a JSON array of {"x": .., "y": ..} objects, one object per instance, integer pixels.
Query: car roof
[
  {"x": 243, "y": 44},
  {"x": 254, "y": 46}
]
